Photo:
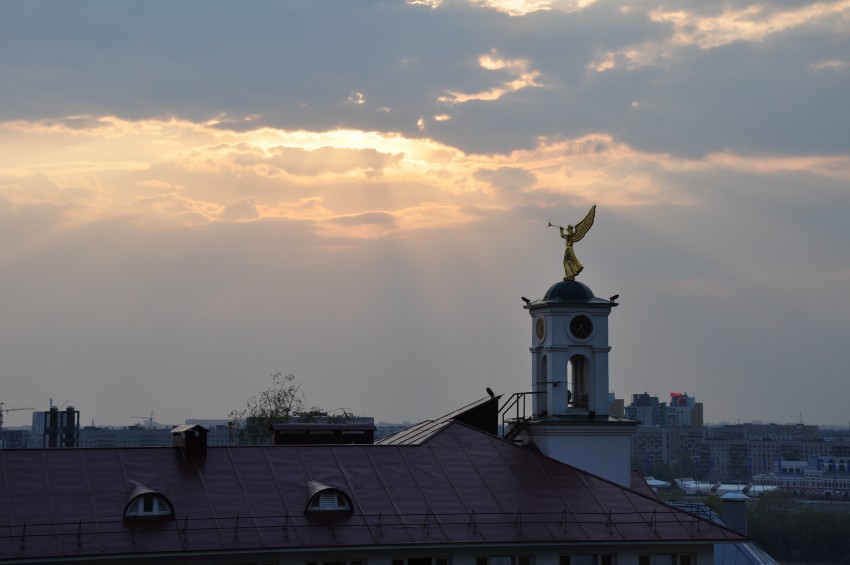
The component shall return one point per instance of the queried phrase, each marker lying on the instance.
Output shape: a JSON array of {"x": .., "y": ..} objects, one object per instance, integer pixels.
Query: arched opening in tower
[
  {"x": 541, "y": 396},
  {"x": 578, "y": 378}
]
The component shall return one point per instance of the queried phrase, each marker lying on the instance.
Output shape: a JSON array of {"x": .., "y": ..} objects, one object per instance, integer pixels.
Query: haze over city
[{"x": 196, "y": 195}]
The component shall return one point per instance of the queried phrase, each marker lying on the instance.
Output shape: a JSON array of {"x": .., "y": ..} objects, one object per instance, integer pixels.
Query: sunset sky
[{"x": 195, "y": 195}]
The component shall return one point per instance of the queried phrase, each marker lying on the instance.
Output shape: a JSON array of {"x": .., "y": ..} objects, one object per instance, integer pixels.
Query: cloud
[
  {"x": 244, "y": 209},
  {"x": 366, "y": 225},
  {"x": 830, "y": 65},
  {"x": 749, "y": 23},
  {"x": 688, "y": 80},
  {"x": 518, "y": 68},
  {"x": 380, "y": 218},
  {"x": 356, "y": 98},
  {"x": 524, "y": 7},
  {"x": 510, "y": 179},
  {"x": 752, "y": 23},
  {"x": 330, "y": 160},
  {"x": 203, "y": 172}
]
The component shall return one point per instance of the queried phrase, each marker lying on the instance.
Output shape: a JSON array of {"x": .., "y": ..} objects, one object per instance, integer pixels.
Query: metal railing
[{"x": 514, "y": 414}]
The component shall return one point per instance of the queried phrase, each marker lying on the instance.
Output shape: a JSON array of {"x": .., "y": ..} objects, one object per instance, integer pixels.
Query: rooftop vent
[{"x": 191, "y": 439}]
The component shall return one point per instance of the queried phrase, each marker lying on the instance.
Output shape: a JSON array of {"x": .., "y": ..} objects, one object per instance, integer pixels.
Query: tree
[
  {"x": 792, "y": 531},
  {"x": 283, "y": 402}
]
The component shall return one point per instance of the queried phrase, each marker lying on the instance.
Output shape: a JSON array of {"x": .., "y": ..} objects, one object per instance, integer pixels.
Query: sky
[{"x": 197, "y": 195}]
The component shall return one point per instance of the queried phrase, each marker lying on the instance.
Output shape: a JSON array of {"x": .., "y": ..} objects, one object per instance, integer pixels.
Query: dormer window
[
  {"x": 149, "y": 505},
  {"x": 330, "y": 500},
  {"x": 322, "y": 498},
  {"x": 145, "y": 502}
]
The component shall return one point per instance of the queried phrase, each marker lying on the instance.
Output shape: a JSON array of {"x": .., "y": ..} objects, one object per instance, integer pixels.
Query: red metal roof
[{"x": 459, "y": 486}]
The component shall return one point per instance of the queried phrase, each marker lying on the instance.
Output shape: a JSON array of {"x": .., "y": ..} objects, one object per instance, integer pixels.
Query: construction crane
[
  {"x": 3, "y": 411},
  {"x": 149, "y": 420}
]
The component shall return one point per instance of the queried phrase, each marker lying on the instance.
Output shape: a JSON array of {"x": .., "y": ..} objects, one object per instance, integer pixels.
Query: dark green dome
[{"x": 569, "y": 292}]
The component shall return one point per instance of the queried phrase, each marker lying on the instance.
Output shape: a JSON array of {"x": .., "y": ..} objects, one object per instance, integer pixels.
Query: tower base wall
[{"x": 601, "y": 447}]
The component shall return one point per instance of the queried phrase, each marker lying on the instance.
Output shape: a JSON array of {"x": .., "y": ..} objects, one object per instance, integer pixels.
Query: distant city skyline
[
  {"x": 152, "y": 419},
  {"x": 195, "y": 196}
]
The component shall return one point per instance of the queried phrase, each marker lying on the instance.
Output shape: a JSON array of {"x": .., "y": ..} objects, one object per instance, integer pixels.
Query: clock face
[
  {"x": 581, "y": 327},
  {"x": 540, "y": 328}
]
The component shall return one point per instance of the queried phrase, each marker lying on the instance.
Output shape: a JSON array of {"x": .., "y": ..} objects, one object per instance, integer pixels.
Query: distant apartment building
[
  {"x": 140, "y": 436},
  {"x": 681, "y": 411},
  {"x": 684, "y": 410},
  {"x": 616, "y": 406},
  {"x": 767, "y": 432},
  {"x": 37, "y": 431},
  {"x": 648, "y": 410},
  {"x": 220, "y": 433},
  {"x": 669, "y": 435},
  {"x": 61, "y": 427},
  {"x": 819, "y": 477},
  {"x": 672, "y": 439},
  {"x": 678, "y": 448},
  {"x": 744, "y": 458},
  {"x": 56, "y": 427},
  {"x": 14, "y": 438}
]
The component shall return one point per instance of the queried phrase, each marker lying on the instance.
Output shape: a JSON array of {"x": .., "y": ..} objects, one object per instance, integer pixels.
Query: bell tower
[
  {"x": 569, "y": 376},
  {"x": 569, "y": 352}
]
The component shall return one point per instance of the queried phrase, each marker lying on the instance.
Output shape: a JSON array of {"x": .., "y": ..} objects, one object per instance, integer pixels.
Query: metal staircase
[{"x": 514, "y": 415}]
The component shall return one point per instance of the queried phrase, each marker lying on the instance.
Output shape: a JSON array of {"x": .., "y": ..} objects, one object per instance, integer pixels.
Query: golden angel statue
[{"x": 572, "y": 235}]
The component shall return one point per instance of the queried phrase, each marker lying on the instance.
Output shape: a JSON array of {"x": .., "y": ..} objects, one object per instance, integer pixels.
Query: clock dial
[
  {"x": 581, "y": 327},
  {"x": 540, "y": 328}
]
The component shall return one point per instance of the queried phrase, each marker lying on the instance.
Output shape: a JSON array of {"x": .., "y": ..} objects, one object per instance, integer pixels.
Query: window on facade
[
  {"x": 589, "y": 559},
  {"x": 666, "y": 559},
  {"x": 422, "y": 561},
  {"x": 148, "y": 505},
  {"x": 505, "y": 560}
]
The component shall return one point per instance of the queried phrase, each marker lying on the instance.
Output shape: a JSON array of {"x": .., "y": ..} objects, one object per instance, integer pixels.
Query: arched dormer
[
  {"x": 147, "y": 503},
  {"x": 322, "y": 498}
]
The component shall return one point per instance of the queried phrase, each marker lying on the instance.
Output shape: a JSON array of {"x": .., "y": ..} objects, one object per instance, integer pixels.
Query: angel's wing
[{"x": 583, "y": 226}]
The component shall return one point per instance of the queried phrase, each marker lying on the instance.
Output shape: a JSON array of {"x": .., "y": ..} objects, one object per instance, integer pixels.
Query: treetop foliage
[
  {"x": 283, "y": 402},
  {"x": 794, "y": 531}
]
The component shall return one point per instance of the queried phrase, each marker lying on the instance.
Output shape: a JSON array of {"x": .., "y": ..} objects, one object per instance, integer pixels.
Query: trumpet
[{"x": 551, "y": 225}]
